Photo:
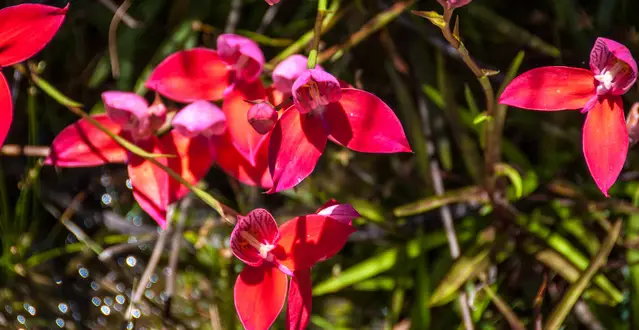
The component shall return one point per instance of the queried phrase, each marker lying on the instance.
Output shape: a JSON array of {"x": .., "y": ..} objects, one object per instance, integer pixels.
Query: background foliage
[{"x": 74, "y": 245}]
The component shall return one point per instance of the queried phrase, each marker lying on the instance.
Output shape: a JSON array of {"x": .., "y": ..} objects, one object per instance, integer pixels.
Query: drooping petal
[
  {"x": 235, "y": 108},
  {"x": 6, "y": 109},
  {"x": 191, "y": 75},
  {"x": 285, "y": 73},
  {"x": 300, "y": 300},
  {"x": 605, "y": 55},
  {"x": 82, "y": 145},
  {"x": 25, "y": 29},
  {"x": 550, "y": 88},
  {"x": 315, "y": 88},
  {"x": 194, "y": 157},
  {"x": 306, "y": 240},
  {"x": 124, "y": 108},
  {"x": 364, "y": 123},
  {"x": 260, "y": 224},
  {"x": 243, "y": 54},
  {"x": 259, "y": 296},
  {"x": 236, "y": 165},
  {"x": 344, "y": 213},
  {"x": 150, "y": 183},
  {"x": 200, "y": 118},
  {"x": 605, "y": 142},
  {"x": 297, "y": 142}
]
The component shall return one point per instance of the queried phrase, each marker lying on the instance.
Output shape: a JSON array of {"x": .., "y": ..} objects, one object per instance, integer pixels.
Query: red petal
[
  {"x": 364, "y": 123},
  {"x": 262, "y": 226},
  {"x": 82, "y": 144},
  {"x": 550, "y": 88},
  {"x": 297, "y": 142},
  {"x": 300, "y": 300},
  {"x": 274, "y": 96},
  {"x": 306, "y": 240},
  {"x": 344, "y": 213},
  {"x": 6, "y": 109},
  {"x": 605, "y": 142},
  {"x": 25, "y": 29},
  {"x": 259, "y": 296},
  {"x": 190, "y": 75},
  {"x": 150, "y": 183},
  {"x": 244, "y": 137},
  {"x": 194, "y": 158},
  {"x": 235, "y": 164}
]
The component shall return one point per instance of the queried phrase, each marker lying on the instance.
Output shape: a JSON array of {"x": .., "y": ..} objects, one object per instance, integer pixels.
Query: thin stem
[
  {"x": 176, "y": 241},
  {"x": 113, "y": 41},
  {"x": 317, "y": 32},
  {"x": 29, "y": 151},
  {"x": 234, "y": 16}
]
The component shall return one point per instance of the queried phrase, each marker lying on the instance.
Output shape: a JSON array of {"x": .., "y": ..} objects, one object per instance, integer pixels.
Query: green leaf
[
  {"x": 480, "y": 118},
  {"x": 514, "y": 177},
  {"x": 434, "y": 17}
]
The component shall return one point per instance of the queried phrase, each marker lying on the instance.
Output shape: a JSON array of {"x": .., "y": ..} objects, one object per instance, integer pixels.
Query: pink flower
[
  {"x": 200, "y": 118},
  {"x": 285, "y": 73},
  {"x": 597, "y": 92},
  {"x": 24, "y": 30},
  {"x": 262, "y": 116},
  {"x": 133, "y": 113},
  {"x": 272, "y": 2},
  {"x": 205, "y": 74},
  {"x": 452, "y": 4},
  {"x": 323, "y": 110},
  {"x": 272, "y": 253}
]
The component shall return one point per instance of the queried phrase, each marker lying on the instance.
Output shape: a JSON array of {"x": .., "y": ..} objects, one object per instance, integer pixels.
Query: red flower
[
  {"x": 596, "y": 91},
  {"x": 271, "y": 253},
  {"x": 24, "y": 30},
  {"x": 82, "y": 144},
  {"x": 323, "y": 110}
]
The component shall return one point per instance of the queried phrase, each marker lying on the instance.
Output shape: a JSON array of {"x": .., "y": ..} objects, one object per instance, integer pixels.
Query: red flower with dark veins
[
  {"x": 597, "y": 92},
  {"x": 24, "y": 30}
]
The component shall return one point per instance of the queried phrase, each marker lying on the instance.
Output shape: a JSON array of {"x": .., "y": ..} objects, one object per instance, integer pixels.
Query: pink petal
[
  {"x": 191, "y": 75},
  {"x": 124, "y": 108},
  {"x": 243, "y": 53},
  {"x": 81, "y": 145},
  {"x": 150, "y": 183},
  {"x": 236, "y": 165},
  {"x": 6, "y": 109},
  {"x": 605, "y": 142},
  {"x": 194, "y": 158},
  {"x": 451, "y": 4},
  {"x": 259, "y": 296},
  {"x": 262, "y": 117},
  {"x": 235, "y": 108},
  {"x": 285, "y": 73},
  {"x": 261, "y": 225},
  {"x": 300, "y": 300},
  {"x": 315, "y": 88},
  {"x": 297, "y": 142},
  {"x": 344, "y": 213},
  {"x": 272, "y": 2},
  {"x": 25, "y": 29},
  {"x": 606, "y": 51},
  {"x": 200, "y": 118},
  {"x": 364, "y": 123},
  {"x": 550, "y": 88},
  {"x": 306, "y": 240}
]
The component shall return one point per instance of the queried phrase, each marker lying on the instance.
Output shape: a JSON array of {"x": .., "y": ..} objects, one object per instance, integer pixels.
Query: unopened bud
[{"x": 262, "y": 116}]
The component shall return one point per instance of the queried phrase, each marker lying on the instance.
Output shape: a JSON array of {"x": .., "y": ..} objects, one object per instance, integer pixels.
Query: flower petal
[
  {"x": 243, "y": 53},
  {"x": 315, "y": 88},
  {"x": 125, "y": 108},
  {"x": 81, "y": 145},
  {"x": 6, "y": 109},
  {"x": 306, "y": 240},
  {"x": 25, "y": 29},
  {"x": 259, "y": 296},
  {"x": 260, "y": 224},
  {"x": 605, "y": 142},
  {"x": 344, "y": 213},
  {"x": 191, "y": 75},
  {"x": 285, "y": 73},
  {"x": 235, "y": 108},
  {"x": 236, "y": 165},
  {"x": 297, "y": 142},
  {"x": 150, "y": 184},
  {"x": 364, "y": 123},
  {"x": 550, "y": 88},
  {"x": 605, "y": 54},
  {"x": 300, "y": 300},
  {"x": 200, "y": 118}
]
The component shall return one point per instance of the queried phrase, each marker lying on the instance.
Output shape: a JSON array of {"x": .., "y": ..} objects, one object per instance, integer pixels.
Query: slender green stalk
[{"x": 317, "y": 32}]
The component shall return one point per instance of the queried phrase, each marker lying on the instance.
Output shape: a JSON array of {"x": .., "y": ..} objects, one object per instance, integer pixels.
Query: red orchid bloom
[
  {"x": 323, "y": 110},
  {"x": 24, "y": 30},
  {"x": 206, "y": 74},
  {"x": 452, "y": 4},
  {"x": 127, "y": 114},
  {"x": 597, "y": 92},
  {"x": 272, "y": 2},
  {"x": 272, "y": 253}
]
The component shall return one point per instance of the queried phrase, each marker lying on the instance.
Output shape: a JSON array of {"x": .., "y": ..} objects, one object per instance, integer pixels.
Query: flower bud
[
  {"x": 452, "y": 4},
  {"x": 200, "y": 118},
  {"x": 262, "y": 116}
]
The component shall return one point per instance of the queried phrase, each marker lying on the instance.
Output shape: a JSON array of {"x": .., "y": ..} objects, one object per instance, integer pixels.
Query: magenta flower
[
  {"x": 597, "y": 92},
  {"x": 272, "y": 253},
  {"x": 206, "y": 74},
  {"x": 323, "y": 110},
  {"x": 133, "y": 113},
  {"x": 262, "y": 117},
  {"x": 200, "y": 118},
  {"x": 452, "y": 4},
  {"x": 272, "y": 2},
  {"x": 285, "y": 73}
]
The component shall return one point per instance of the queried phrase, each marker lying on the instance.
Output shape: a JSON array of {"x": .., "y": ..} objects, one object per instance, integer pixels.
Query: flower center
[
  {"x": 264, "y": 249},
  {"x": 609, "y": 75}
]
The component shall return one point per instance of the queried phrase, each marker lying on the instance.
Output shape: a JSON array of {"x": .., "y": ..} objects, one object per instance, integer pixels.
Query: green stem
[{"x": 317, "y": 32}]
